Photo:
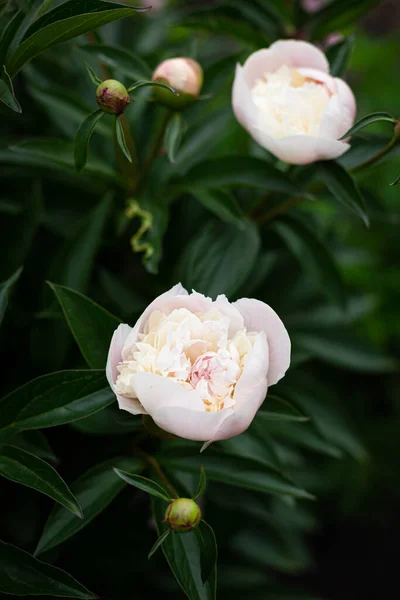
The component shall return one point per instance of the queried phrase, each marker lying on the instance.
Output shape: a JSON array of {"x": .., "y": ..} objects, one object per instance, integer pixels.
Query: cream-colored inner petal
[{"x": 290, "y": 103}]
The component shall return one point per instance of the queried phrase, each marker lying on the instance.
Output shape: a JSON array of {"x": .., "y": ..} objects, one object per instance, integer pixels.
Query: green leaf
[
  {"x": 130, "y": 64},
  {"x": 91, "y": 325},
  {"x": 109, "y": 421},
  {"x": 23, "y": 467},
  {"x": 83, "y": 136},
  {"x": 55, "y": 399},
  {"x": 144, "y": 484},
  {"x": 236, "y": 471},
  {"x": 10, "y": 31},
  {"x": 235, "y": 27},
  {"x": 65, "y": 22},
  {"x": 339, "y": 56},
  {"x": 120, "y": 135},
  {"x": 5, "y": 289},
  {"x": 201, "y": 488},
  {"x": 208, "y": 550},
  {"x": 341, "y": 349},
  {"x": 206, "y": 263},
  {"x": 55, "y": 154},
  {"x": 30, "y": 16},
  {"x": 159, "y": 542},
  {"x": 343, "y": 187},
  {"x": 337, "y": 15},
  {"x": 368, "y": 120},
  {"x": 183, "y": 557},
  {"x": 33, "y": 441},
  {"x": 174, "y": 135},
  {"x": 313, "y": 255},
  {"x": 253, "y": 444},
  {"x": 23, "y": 575},
  {"x": 94, "y": 78},
  {"x": 239, "y": 171},
  {"x": 94, "y": 490},
  {"x": 396, "y": 181},
  {"x": 7, "y": 95},
  {"x": 304, "y": 436},
  {"x": 281, "y": 410},
  {"x": 222, "y": 204}
]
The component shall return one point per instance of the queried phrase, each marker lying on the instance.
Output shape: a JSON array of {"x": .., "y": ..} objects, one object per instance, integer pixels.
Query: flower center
[
  {"x": 289, "y": 103},
  {"x": 193, "y": 350}
]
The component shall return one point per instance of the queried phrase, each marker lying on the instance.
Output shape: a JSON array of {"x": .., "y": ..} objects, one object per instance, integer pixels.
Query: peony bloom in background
[
  {"x": 288, "y": 102},
  {"x": 200, "y": 369}
]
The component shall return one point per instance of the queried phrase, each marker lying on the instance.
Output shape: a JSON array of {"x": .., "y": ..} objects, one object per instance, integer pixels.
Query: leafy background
[{"x": 334, "y": 282}]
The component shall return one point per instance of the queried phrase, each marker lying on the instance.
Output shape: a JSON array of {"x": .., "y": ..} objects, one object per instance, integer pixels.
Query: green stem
[
  {"x": 153, "y": 462},
  {"x": 155, "y": 150}
]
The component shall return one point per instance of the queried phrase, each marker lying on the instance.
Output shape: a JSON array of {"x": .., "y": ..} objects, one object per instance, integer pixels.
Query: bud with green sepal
[
  {"x": 112, "y": 96},
  {"x": 183, "y": 515},
  {"x": 184, "y": 75}
]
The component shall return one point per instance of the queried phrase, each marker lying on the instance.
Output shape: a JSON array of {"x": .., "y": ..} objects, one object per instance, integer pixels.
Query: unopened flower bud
[
  {"x": 182, "y": 74},
  {"x": 183, "y": 515},
  {"x": 112, "y": 96}
]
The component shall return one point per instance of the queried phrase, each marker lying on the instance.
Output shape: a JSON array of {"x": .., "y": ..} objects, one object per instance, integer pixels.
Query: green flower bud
[
  {"x": 112, "y": 96},
  {"x": 182, "y": 74},
  {"x": 183, "y": 515}
]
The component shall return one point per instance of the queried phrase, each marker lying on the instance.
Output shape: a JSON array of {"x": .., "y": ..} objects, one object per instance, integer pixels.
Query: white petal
[{"x": 258, "y": 316}]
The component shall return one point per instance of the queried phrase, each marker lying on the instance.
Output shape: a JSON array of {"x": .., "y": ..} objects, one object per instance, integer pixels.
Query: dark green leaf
[
  {"x": 208, "y": 550},
  {"x": 7, "y": 95},
  {"x": 91, "y": 325},
  {"x": 303, "y": 435},
  {"x": 23, "y": 575},
  {"x": 109, "y": 421},
  {"x": 223, "y": 204},
  {"x": 7, "y": 36},
  {"x": 236, "y": 28},
  {"x": 344, "y": 350},
  {"x": 35, "y": 442},
  {"x": 368, "y": 120},
  {"x": 55, "y": 399},
  {"x": 183, "y": 557},
  {"x": 23, "y": 467},
  {"x": 237, "y": 471},
  {"x": 279, "y": 409},
  {"x": 238, "y": 171},
  {"x": 5, "y": 289},
  {"x": 313, "y": 255},
  {"x": 254, "y": 445},
  {"x": 54, "y": 154},
  {"x": 174, "y": 135},
  {"x": 83, "y": 136},
  {"x": 343, "y": 188},
  {"x": 201, "y": 488},
  {"x": 337, "y": 15},
  {"x": 143, "y": 483},
  {"x": 130, "y": 64},
  {"x": 64, "y": 23},
  {"x": 159, "y": 542},
  {"x": 30, "y": 16},
  {"x": 94, "y": 490},
  {"x": 120, "y": 135},
  {"x": 339, "y": 56},
  {"x": 206, "y": 263}
]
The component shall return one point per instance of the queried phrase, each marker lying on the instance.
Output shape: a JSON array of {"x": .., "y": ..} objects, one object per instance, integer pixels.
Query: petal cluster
[
  {"x": 286, "y": 99},
  {"x": 200, "y": 368}
]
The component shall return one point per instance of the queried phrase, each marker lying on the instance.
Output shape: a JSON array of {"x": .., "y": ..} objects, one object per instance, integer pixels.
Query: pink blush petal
[
  {"x": 348, "y": 104},
  {"x": 115, "y": 352},
  {"x": 227, "y": 309},
  {"x": 155, "y": 391},
  {"x": 242, "y": 102},
  {"x": 258, "y": 316},
  {"x": 189, "y": 424}
]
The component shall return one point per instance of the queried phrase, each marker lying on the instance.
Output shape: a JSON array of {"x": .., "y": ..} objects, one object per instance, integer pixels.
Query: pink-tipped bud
[
  {"x": 185, "y": 76},
  {"x": 183, "y": 515},
  {"x": 112, "y": 96}
]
